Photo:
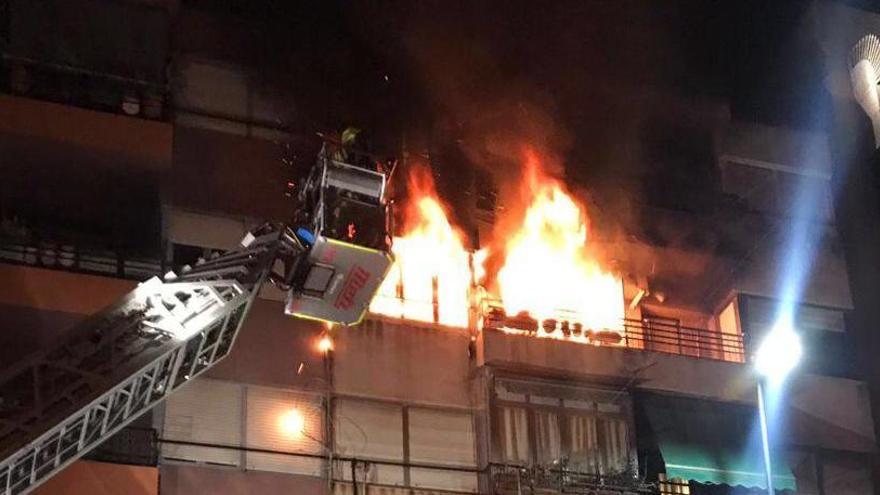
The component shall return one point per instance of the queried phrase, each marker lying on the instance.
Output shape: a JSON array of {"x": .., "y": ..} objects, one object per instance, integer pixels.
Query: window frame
[{"x": 563, "y": 415}]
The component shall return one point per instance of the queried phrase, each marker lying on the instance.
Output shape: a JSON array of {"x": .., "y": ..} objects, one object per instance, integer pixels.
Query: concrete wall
[
  {"x": 232, "y": 175},
  {"x": 777, "y": 147},
  {"x": 203, "y": 230},
  {"x": 404, "y": 362},
  {"x": 26, "y": 330},
  {"x": 826, "y": 283},
  {"x": 100, "y": 478},
  {"x": 145, "y": 143},
  {"x": 192, "y": 480},
  {"x": 52, "y": 290},
  {"x": 270, "y": 348}
]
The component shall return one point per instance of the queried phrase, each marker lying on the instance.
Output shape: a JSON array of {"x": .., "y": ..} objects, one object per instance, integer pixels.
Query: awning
[{"x": 712, "y": 442}]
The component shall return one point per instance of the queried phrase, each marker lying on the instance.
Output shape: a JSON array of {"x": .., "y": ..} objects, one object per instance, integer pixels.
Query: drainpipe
[{"x": 328, "y": 417}]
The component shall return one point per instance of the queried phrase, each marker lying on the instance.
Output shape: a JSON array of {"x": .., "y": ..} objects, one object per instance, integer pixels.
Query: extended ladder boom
[{"x": 59, "y": 404}]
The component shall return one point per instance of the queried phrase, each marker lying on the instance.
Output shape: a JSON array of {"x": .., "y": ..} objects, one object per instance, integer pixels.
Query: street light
[
  {"x": 778, "y": 354},
  {"x": 293, "y": 423}
]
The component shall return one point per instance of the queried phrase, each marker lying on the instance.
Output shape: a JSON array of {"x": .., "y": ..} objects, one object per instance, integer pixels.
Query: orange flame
[
  {"x": 547, "y": 271},
  {"x": 431, "y": 278}
]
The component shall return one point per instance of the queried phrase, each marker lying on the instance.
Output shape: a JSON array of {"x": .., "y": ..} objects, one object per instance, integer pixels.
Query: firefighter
[{"x": 344, "y": 151}]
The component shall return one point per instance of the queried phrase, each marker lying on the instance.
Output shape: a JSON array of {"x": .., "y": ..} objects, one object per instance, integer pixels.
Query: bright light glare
[
  {"x": 325, "y": 344},
  {"x": 293, "y": 423},
  {"x": 779, "y": 353}
]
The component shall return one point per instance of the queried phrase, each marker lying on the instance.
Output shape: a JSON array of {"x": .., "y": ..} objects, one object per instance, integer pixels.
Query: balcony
[
  {"x": 516, "y": 480},
  {"x": 83, "y": 87},
  {"x": 75, "y": 259},
  {"x": 663, "y": 335}
]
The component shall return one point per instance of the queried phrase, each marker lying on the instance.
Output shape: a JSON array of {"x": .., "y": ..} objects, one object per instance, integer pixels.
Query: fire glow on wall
[{"x": 545, "y": 281}]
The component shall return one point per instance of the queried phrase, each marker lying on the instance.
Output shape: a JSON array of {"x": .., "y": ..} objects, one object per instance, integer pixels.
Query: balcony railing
[
  {"x": 650, "y": 334},
  {"x": 74, "y": 259},
  {"x": 517, "y": 480},
  {"x": 83, "y": 87},
  {"x": 647, "y": 334}
]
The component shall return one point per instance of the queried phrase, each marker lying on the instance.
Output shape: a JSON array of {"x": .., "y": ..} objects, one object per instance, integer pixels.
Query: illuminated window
[
  {"x": 587, "y": 429},
  {"x": 731, "y": 336},
  {"x": 673, "y": 486}
]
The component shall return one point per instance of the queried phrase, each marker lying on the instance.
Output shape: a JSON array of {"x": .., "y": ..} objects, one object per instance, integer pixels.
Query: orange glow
[
  {"x": 431, "y": 277},
  {"x": 292, "y": 423},
  {"x": 547, "y": 271},
  {"x": 325, "y": 344},
  {"x": 544, "y": 274}
]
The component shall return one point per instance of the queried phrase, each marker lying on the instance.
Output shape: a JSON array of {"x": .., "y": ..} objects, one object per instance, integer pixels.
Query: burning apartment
[{"x": 585, "y": 262}]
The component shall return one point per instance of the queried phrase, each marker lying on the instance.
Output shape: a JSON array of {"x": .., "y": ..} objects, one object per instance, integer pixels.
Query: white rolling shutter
[
  {"x": 442, "y": 437},
  {"x": 370, "y": 430},
  {"x": 284, "y": 421},
  {"x": 205, "y": 411}
]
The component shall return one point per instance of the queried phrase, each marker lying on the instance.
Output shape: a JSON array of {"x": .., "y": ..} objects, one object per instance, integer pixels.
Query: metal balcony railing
[
  {"x": 83, "y": 87},
  {"x": 659, "y": 336},
  {"x": 74, "y": 259},
  {"x": 649, "y": 334},
  {"x": 517, "y": 480}
]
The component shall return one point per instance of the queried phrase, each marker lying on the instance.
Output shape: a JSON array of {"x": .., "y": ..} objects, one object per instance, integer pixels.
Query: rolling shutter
[
  {"x": 205, "y": 411},
  {"x": 442, "y": 437},
  {"x": 284, "y": 421}
]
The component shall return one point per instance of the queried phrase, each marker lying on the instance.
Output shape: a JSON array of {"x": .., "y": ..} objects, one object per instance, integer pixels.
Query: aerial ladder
[{"x": 58, "y": 404}]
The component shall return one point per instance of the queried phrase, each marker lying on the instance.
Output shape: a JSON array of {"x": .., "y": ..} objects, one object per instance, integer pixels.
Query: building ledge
[{"x": 144, "y": 142}]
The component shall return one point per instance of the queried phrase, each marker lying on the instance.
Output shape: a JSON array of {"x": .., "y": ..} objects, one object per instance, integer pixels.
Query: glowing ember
[
  {"x": 547, "y": 271},
  {"x": 431, "y": 278}
]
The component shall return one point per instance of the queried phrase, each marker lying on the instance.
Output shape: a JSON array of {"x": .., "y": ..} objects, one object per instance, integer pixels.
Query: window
[
  {"x": 665, "y": 335},
  {"x": 218, "y": 413},
  {"x": 761, "y": 313},
  {"x": 444, "y": 437},
  {"x": 514, "y": 434},
  {"x": 216, "y": 96},
  {"x": 777, "y": 190},
  {"x": 587, "y": 429},
  {"x": 369, "y": 431},
  {"x": 284, "y": 421},
  {"x": 205, "y": 411},
  {"x": 377, "y": 431},
  {"x": 731, "y": 337}
]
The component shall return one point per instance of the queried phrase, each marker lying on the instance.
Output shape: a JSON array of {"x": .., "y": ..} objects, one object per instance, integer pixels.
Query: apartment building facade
[{"x": 185, "y": 158}]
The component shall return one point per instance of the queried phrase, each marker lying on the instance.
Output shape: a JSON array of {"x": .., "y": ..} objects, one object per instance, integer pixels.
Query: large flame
[
  {"x": 432, "y": 277},
  {"x": 546, "y": 278},
  {"x": 547, "y": 271}
]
